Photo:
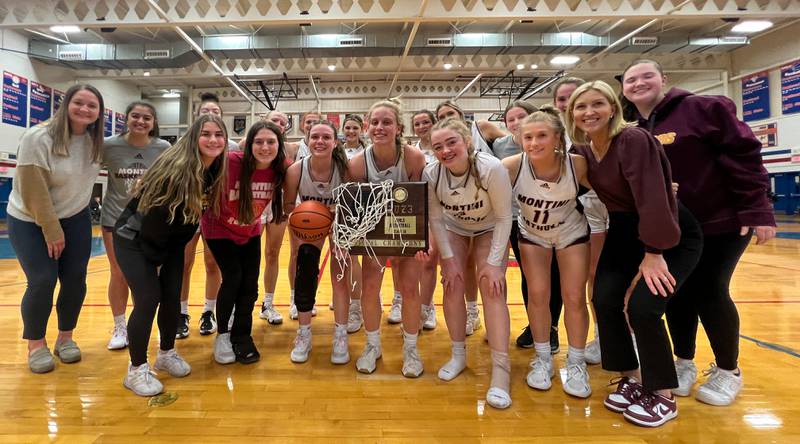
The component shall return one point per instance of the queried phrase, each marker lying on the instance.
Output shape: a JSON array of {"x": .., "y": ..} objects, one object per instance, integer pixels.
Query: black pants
[
  {"x": 152, "y": 288},
  {"x": 240, "y": 265},
  {"x": 555, "y": 278},
  {"x": 706, "y": 294},
  {"x": 42, "y": 272},
  {"x": 618, "y": 265}
]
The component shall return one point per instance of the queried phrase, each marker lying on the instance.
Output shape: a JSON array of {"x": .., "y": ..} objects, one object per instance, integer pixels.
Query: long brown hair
[
  {"x": 178, "y": 177},
  {"x": 339, "y": 155},
  {"x": 278, "y": 166},
  {"x": 58, "y": 126}
]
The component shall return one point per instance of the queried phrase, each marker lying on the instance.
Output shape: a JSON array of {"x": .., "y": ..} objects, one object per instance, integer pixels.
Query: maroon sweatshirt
[
  {"x": 715, "y": 159},
  {"x": 634, "y": 177}
]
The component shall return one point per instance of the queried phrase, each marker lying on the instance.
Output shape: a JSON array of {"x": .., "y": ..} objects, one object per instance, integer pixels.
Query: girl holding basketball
[
  {"x": 313, "y": 178},
  {"x": 150, "y": 238},
  {"x": 389, "y": 158},
  {"x": 469, "y": 199},
  {"x": 254, "y": 177},
  {"x": 546, "y": 184}
]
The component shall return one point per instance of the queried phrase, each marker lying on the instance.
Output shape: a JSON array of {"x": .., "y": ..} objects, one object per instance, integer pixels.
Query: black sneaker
[
  {"x": 554, "y": 347},
  {"x": 525, "y": 340},
  {"x": 183, "y": 327},
  {"x": 208, "y": 323},
  {"x": 246, "y": 352}
]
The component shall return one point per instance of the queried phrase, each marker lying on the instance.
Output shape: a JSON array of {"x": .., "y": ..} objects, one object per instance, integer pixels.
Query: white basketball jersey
[
  {"x": 302, "y": 150},
  {"x": 467, "y": 208},
  {"x": 547, "y": 209},
  {"x": 429, "y": 156},
  {"x": 477, "y": 139},
  {"x": 396, "y": 172},
  {"x": 353, "y": 152},
  {"x": 310, "y": 189}
]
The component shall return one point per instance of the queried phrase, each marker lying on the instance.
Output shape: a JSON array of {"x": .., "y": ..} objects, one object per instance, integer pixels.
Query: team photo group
[{"x": 626, "y": 206}]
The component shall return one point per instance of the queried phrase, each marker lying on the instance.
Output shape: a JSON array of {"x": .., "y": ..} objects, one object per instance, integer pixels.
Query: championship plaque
[{"x": 401, "y": 231}]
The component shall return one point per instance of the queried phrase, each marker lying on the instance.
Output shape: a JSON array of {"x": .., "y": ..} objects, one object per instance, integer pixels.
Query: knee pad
[{"x": 305, "y": 280}]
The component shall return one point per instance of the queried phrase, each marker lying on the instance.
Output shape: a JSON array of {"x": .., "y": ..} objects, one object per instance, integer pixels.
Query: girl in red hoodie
[
  {"x": 254, "y": 178},
  {"x": 716, "y": 160}
]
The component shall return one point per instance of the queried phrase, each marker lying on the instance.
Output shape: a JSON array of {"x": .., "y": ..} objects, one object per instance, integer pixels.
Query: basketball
[{"x": 310, "y": 221}]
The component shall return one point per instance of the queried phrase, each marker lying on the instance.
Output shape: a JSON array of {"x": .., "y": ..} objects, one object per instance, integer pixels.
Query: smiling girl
[{"x": 254, "y": 179}]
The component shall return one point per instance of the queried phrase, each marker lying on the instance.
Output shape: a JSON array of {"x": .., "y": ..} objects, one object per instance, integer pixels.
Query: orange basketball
[{"x": 310, "y": 221}]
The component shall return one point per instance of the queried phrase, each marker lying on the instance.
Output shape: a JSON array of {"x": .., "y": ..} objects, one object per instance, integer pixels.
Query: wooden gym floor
[{"x": 317, "y": 401}]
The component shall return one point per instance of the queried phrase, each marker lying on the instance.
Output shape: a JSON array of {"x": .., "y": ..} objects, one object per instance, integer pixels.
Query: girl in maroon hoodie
[
  {"x": 716, "y": 160},
  {"x": 650, "y": 236}
]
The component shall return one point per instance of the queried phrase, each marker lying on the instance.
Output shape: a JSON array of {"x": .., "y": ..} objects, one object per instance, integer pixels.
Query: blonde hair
[
  {"x": 177, "y": 178},
  {"x": 396, "y": 106},
  {"x": 550, "y": 115},
  {"x": 615, "y": 124},
  {"x": 59, "y": 128},
  {"x": 459, "y": 127}
]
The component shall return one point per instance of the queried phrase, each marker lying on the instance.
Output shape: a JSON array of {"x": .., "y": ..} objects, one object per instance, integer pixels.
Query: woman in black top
[{"x": 150, "y": 238}]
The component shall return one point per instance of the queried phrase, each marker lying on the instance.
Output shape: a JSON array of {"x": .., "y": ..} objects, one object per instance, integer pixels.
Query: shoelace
[
  {"x": 574, "y": 371},
  {"x": 718, "y": 380},
  {"x": 627, "y": 388},
  {"x": 646, "y": 401},
  {"x": 538, "y": 363}
]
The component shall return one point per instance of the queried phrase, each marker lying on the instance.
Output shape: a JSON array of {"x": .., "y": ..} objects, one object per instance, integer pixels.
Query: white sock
[
  {"x": 596, "y": 331},
  {"x": 304, "y": 329},
  {"x": 397, "y": 297},
  {"x": 457, "y": 362},
  {"x": 339, "y": 329},
  {"x": 185, "y": 307},
  {"x": 119, "y": 321},
  {"x": 374, "y": 338},
  {"x": 292, "y": 297},
  {"x": 410, "y": 339},
  {"x": 543, "y": 350},
  {"x": 473, "y": 305},
  {"x": 501, "y": 371},
  {"x": 682, "y": 361},
  {"x": 575, "y": 355},
  {"x": 268, "y": 297},
  {"x": 210, "y": 305}
]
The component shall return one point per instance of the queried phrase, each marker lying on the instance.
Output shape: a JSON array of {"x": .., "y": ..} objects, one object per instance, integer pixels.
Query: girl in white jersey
[
  {"x": 314, "y": 178},
  {"x": 389, "y": 157},
  {"x": 545, "y": 180},
  {"x": 422, "y": 122},
  {"x": 469, "y": 199}
]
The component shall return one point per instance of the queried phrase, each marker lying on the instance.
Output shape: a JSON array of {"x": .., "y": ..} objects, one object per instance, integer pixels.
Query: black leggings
[
  {"x": 617, "y": 267},
  {"x": 152, "y": 288},
  {"x": 555, "y": 278},
  {"x": 706, "y": 294},
  {"x": 240, "y": 265}
]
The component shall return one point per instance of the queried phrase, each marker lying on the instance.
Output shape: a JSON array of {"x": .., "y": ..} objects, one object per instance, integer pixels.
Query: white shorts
[
  {"x": 595, "y": 212},
  {"x": 559, "y": 239}
]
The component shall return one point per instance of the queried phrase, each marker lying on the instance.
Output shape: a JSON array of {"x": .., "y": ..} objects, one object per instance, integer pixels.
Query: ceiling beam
[{"x": 409, "y": 42}]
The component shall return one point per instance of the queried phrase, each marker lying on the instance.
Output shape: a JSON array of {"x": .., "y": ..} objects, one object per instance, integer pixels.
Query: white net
[{"x": 359, "y": 209}]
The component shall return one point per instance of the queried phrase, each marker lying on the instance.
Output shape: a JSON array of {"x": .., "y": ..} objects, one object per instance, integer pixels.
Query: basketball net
[{"x": 356, "y": 216}]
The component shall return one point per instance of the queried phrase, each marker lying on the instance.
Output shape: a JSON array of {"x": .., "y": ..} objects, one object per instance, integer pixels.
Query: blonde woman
[
  {"x": 48, "y": 220},
  {"x": 150, "y": 238}
]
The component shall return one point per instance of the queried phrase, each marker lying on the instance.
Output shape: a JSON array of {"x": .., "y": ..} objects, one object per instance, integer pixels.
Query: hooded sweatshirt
[{"x": 715, "y": 159}]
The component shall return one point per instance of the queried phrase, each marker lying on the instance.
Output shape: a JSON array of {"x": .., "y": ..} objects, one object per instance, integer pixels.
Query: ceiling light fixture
[
  {"x": 448, "y": 65},
  {"x": 534, "y": 66},
  {"x": 751, "y": 26},
  {"x": 564, "y": 60},
  {"x": 65, "y": 28},
  {"x": 520, "y": 66},
  {"x": 147, "y": 73},
  {"x": 331, "y": 67},
  {"x": 171, "y": 95}
]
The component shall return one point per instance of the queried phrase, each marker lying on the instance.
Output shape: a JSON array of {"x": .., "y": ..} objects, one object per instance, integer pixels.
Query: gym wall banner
[
  {"x": 58, "y": 97},
  {"x": 15, "y": 99},
  {"x": 108, "y": 123},
  {"x": 767, "y": 134},
  {"x": 119, "y": 123},
  {"x": 41, "y": 102},
  {"x": 755, "y": 97},
  {"x": 790, "y": 88}
]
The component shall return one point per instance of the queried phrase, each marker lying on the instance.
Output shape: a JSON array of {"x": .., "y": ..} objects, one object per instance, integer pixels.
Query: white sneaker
[
  {"x": 302, "y": 346},
  {"x": 473, "y": 320},
  {"x": 330, "y": 306},
  {"x": 577, "y": 382},
  {"x": 119, "y": 338},
  {"x": 541, "y": 373},
  {"x": 412, "y": 363},
  {"x": 368, "y": 359},
  {"x": 340, "y": 353},
  {"x": 429, "y": 317},
  {"x": 223, "y": 349},
  {"x": 171, "y": 362},
  {"x": 687, "y": 376},
  {"x": 142, "y": 381},
  {"x": 396, "y": 312},
  {"x": 354, "y": 318},
  {"x": 269, "y": 313},
  {"x": 293, "y": 312},
  {"x": 592, "y": 353},
  {"x": 721, "y": 388}
]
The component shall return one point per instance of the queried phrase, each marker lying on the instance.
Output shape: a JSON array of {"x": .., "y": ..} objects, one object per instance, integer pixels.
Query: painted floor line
[{"x": 771, "y": 346}]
